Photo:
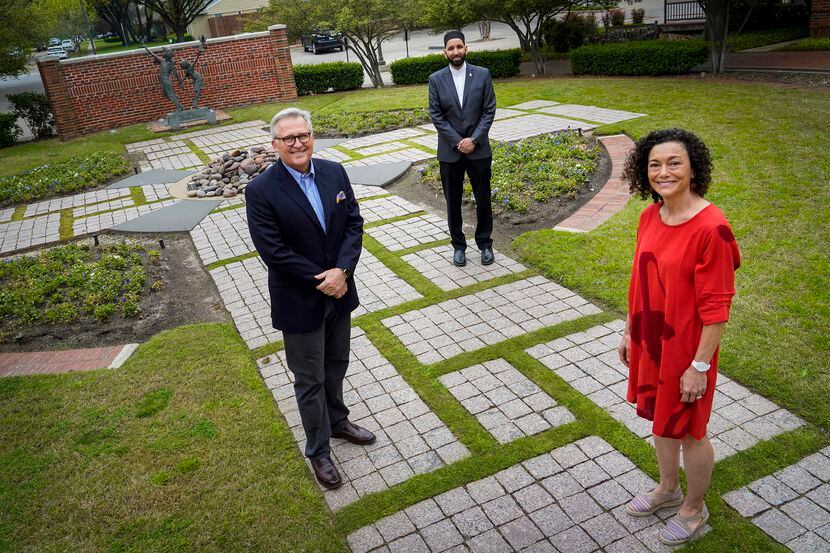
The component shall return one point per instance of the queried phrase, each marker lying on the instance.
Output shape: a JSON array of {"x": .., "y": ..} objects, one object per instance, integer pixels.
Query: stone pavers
[
  {"x": 408, "y": 233},
  {"x": 332, "y": 154},
  {"x": 429, "y": 141},
  {"x": 172, "y": 154},
  {"x": 588, "y": 361},
  {"x": 155, "y": 192},
  {"x": 362, "y": 191},
  {"x": 614, "y": 194},
  {"x": 591, "y": 113},
  {"x": 411, "y": 439},
  {"x": 386, "y": 208},
  {"x": 516, "y": 128},
  {"x": 571, "y": 499},
  {"x": 35, "y": 231},
  {"x": 243, "y": 286},
  {"x": 791, "y": 505},
  {"x": 59, "y": 362},
  {"x": 505, "y": 401},
  {"x": 95, "y": 223},
  {"x": 220, "y": 140},
  {"x": 471, "y": 322},
  {"x": 222, "y": 235},
  {"x": 504, "y": 113},
  {"x": 378, "y": 287},
  {"x": 87, "y": 210},
  {"x": 408, "y": 154},
  {"x": 75, "y": 200},
  {"x": 435, "y": 264},
  {"x": 381, "y": 148}
]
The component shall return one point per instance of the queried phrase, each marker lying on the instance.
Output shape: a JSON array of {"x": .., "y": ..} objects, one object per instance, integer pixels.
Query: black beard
[{"x": 459, "y": 63}]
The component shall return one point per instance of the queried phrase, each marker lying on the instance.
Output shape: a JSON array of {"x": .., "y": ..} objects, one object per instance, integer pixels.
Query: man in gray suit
[{"x": 462, "y": 106}]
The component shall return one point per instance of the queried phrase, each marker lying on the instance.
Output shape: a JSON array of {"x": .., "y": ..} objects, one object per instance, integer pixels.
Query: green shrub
[
  {"x": 637, "y": 15},
  {"x": 617, "y": 17},
  {"x": 501, "y": 63},
  {"x": 565, "y": 36},
  {"x": 754, "y": 39},
  {"x": 806, "y": 45},
  {"x": 532, "y": 170},
  {"x": 647, "y": 57},
  {"x": 322, "y": 77},
  {"x": 34, "y": 108},
  {"x": 65, "y": 284},
  {"x": 357, "y": 123},
  {"x": 77, "y": 173},
  {"x": 9, "y": 131}
]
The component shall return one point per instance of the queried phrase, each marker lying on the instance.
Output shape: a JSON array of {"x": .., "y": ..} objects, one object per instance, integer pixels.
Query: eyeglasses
[{"x": 290, "y": 140}]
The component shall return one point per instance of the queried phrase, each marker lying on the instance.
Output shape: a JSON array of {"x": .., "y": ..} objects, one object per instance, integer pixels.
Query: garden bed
[
  {"x": 79, "y": 296},
  {"x": 362, "y": 123},
  {"x": 509, "y": 223}
]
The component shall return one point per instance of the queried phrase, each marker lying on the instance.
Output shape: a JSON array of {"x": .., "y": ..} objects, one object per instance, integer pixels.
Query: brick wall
[
  {"x": 820, "y": 18},
  {"x": 98, "y": 93}
]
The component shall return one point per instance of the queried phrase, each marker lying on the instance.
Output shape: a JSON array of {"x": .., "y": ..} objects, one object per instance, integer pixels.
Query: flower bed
[
  {"x": 359, "y": 123},
  {"x": 532, "y": 170},
  {"x": 64, "y": 284},
  {"x": 77, "y": 173}
]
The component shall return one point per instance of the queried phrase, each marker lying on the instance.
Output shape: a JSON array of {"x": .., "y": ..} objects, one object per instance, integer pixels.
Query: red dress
[{"x": 683, "y": 278}]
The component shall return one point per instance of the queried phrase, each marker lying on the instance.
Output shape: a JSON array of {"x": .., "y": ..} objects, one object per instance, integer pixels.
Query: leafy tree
[
  {"x": 21, "y": 27},
  {"x": 717, "y": 27},
  {"x": 177, "y": 13},
  {"x": 364, "y": 23}
]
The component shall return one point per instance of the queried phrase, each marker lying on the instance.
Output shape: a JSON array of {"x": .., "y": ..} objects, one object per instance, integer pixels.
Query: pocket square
[{"x": 341, "y": 196}]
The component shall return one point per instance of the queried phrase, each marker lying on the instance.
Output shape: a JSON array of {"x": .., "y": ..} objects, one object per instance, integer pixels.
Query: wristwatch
[
  {"x": 346, "y": 272},
  {"x": 701, "y": 366},
  {"x": 474, "y": 141}
]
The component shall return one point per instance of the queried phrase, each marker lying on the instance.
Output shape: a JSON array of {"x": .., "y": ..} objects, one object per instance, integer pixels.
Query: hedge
[
  {"x": 645, "y": 57},
  {"x": 322, "y": 77},
  {"x": 501, "y": 63}
]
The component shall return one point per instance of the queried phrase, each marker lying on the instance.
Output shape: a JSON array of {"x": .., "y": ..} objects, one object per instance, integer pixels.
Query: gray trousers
[{"x": 319, "y": 360}]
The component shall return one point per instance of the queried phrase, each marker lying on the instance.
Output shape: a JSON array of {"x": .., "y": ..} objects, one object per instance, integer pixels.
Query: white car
[
  {"x": 57, "y": 51},
  {"x": 68, "y": 45}
]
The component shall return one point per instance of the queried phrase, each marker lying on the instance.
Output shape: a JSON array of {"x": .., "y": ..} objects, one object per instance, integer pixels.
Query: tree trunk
[
  {"x": 180, "y": 32},
  {"x": 367, "y": 56},
  {"x": 717, "y": 22}
]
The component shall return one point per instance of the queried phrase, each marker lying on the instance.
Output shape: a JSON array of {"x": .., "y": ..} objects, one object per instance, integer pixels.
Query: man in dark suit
[
  {"x": 462, "y": 106},
  {"x": 306, "y": 225}
]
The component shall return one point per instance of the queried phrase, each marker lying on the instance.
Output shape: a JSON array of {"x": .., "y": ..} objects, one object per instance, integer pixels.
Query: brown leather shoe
[
  {"x": 355, "y": 434},
  {"x": 326, "y": 473}
]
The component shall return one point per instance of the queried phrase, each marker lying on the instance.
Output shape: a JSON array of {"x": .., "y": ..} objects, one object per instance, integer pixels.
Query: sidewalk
[{"x": 789, "y": 62}]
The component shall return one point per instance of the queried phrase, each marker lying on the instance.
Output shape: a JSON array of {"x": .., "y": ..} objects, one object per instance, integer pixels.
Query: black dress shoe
[
  {"x": 355, "y": 434},
  {"x": 459, "y": 259},
  {"x": 326, "y": 473},
  {"x": 487, "y": 256}
]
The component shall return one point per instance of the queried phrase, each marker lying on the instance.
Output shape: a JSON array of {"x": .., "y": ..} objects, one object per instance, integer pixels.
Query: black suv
[{"x": 318, "y": 41}]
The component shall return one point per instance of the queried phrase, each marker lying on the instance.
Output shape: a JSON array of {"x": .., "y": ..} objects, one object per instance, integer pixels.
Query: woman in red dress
[{"x": 682, "y": 283}]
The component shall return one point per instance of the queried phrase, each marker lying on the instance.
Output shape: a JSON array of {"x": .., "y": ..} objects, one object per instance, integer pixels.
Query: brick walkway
[
  {"x": 613, "y": 196},
  {"x": 59, "y": 362}
]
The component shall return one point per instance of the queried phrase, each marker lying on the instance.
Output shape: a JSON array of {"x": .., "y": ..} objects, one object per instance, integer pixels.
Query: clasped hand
[
  {"x": 334, "y": 283},
  {"x": 466, "y": 146}
]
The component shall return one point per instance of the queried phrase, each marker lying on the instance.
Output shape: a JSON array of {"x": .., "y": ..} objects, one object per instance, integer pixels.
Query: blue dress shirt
[{"x": 309, "y": 187}]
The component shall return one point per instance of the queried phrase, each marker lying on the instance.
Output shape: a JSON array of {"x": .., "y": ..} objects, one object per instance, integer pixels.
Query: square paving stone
[
  {"x": 580, "y": 507},
  {"x": 745, "y": 502},
  {"x": 433, "y": 264},
  {"x": 521, "y": 532},
  {"x": 551, "y": 520},
  {"x": 818, "y": 465},
  {"x": 778, "y": 526},
  {"x": 454, "y": 501},
  {"x": 442, "y": 535},
  {"x": 604, "y": 529},
  {"x": 772, "y": 490},
  {"x": 514, "y": 478},
  {"x": 412, "y": 543},
  {"x": 809, "y": 543},
  {"x": 472, "y": 522},
  {"x": 807, "y": 513},
  {"x": 365, "y": 539},
  {"x": 533, "y": 498},
  {"x": 395, "y": 526},
  {"x": 488, "y": 542},
  {"x": 424, "y": 513},
  {"x": 573, "y": 540},
  {"x": 485, "y": 490},
  {"x": 502, "y": 509}
]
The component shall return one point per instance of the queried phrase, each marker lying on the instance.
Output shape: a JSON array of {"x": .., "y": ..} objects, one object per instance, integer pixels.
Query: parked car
[
  {"x": 318, "y": 41},
  {"x": 68, "y": 45},
  {"x": 57, "y": 51},
  {"x": 54, "y": 41},
  {"x": 41, "y": 47}
]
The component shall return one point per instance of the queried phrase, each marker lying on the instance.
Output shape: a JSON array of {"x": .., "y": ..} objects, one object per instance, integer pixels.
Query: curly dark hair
[{"x": 636, "y": 166}]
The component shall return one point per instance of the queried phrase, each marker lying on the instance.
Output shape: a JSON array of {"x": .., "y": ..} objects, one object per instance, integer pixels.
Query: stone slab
[
  {"x": 435, "y": 264},
  {"x": 591, "y": 113},
  {"x": 153, "y": 176},
  {"x": 181, "y": 216},
  {"x": 378, "y": 175}
]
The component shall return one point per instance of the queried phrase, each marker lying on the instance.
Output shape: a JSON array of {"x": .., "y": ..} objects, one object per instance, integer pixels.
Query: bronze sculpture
[
  {"x": 166, "y": 67},
  {"x": 190, "y": 72}
]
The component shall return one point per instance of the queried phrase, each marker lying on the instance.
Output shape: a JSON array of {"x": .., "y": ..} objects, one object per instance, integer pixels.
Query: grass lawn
[{"x": 184, "y": 449}]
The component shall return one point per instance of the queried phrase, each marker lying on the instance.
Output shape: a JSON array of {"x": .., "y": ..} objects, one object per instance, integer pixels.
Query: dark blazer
[
  {"x": 292, "y": 244},
  {"x": 454, "y": 123}
]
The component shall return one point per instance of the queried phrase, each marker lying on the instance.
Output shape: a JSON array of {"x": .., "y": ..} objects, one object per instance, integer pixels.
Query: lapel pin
[{"x": 341, "y": 196}]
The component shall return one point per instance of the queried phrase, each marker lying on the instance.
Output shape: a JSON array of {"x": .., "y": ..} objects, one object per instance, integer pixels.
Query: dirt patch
[
  {"x": 820, "y": 81},
  {"x": 189, "y": 296},
  {"x": 506, "y": 225}
]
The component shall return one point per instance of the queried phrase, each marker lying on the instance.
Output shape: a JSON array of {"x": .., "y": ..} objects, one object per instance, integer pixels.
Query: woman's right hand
[{"x": 625, "y": 348}]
